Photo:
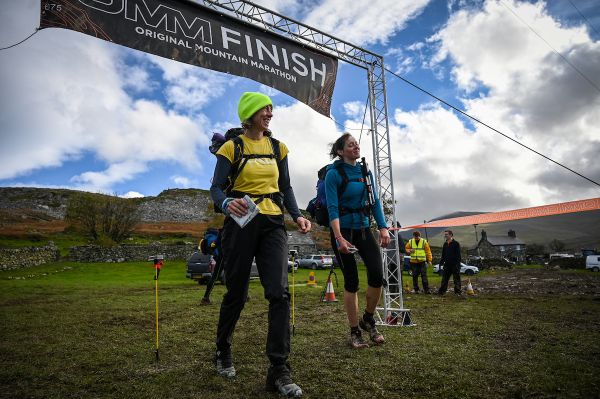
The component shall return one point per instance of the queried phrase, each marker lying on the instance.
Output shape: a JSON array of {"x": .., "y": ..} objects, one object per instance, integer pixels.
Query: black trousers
[
  {"x": 265, "y": 239},
  {"x": 419, "y": 269},
  {"x": 454, "y": 271},
  {"x": 368, "y": 250}
]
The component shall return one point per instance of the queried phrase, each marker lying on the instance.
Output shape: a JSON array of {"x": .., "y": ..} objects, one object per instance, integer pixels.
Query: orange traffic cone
[
  {"x": 329, "y": 293},
  {"x": 312, "y": 281},
  {"x": 470, "y": 290}
]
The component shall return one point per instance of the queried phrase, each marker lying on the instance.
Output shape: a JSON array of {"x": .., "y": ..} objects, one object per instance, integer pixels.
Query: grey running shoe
[
  {"x": 356, "y": 341},
  {"x": 224, "y": 364},
  {"x": 283, "y": 384},
  {"x": 369, "y": 327}
]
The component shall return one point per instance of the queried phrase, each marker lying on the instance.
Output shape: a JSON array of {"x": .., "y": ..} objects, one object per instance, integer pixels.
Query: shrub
[
  {"x": 102, "y": 217},
  {"x": 568, "y": 263}
]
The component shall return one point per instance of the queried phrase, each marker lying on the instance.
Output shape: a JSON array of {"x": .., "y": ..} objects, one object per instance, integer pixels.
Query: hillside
[
  {"x": 174, "y": 205},
  {"x": 576, "y": 230},
  {"x": 185, "y": 214}
]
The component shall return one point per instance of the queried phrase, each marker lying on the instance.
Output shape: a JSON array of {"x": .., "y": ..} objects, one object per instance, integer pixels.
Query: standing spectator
[
  {"x": 264, "y": 177},
  {"x": 451, "y": 263},
  {"x": 419, "y": 251},
  {"x": 350, "y": 233}
]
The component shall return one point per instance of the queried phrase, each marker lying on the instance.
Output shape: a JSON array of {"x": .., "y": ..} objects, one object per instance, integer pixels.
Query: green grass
[{"x": 87, "y": 331}]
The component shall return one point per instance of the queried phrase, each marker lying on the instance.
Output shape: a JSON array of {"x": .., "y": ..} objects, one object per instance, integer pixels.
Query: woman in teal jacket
[{"x": 349, "y": 227}]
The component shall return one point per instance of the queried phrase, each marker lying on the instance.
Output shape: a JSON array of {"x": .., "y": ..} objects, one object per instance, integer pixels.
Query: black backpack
[{"x": 239, "y": 162}]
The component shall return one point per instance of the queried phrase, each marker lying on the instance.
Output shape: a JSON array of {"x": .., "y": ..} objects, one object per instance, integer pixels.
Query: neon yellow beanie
[{"x": 250, "y": 102}]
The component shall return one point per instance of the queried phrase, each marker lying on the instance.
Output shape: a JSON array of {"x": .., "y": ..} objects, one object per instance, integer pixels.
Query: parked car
[
  {"x": 464, "y": 269},
  {"x": 315, "y": 261},
  {"x": 592, "y": 262},
  {"x": 290, "y": 264},
  {"x": 200, "y": 267}
]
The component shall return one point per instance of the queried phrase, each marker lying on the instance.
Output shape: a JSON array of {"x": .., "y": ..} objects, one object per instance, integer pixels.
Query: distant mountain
[
  {"x": 456, "y": 215},
  {"x": 576, "y": 230}
]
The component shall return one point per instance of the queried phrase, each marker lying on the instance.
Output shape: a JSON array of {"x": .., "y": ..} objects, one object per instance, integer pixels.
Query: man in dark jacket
[{"x": 451, "y": 263}]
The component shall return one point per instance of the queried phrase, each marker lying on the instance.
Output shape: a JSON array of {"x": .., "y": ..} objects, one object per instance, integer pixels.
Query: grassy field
[{"x": 87, "y": 331}]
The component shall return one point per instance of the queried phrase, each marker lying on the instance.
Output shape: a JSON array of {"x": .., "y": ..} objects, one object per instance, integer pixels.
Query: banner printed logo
[{"x": 189, "y": 33}]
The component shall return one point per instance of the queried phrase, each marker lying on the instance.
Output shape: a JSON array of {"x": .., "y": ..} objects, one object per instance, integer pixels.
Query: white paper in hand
[{"x": 252, "y": 212}]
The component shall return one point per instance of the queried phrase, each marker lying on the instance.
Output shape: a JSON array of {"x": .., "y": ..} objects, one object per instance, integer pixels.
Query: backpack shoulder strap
[
  {"x": 276, "y": 149},
  {"x": 340, "y": 169},
  {"x": 238, "y": 149},
  {"x": 238, "y": 153}
]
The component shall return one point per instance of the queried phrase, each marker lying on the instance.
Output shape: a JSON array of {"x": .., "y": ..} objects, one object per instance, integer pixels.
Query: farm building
[{"x": 497, "y": 247}]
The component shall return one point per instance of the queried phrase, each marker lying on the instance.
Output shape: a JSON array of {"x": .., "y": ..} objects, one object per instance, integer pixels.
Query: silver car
[
  {"x": 464, "y": 269},
  {"x": 315, "y": 261}
]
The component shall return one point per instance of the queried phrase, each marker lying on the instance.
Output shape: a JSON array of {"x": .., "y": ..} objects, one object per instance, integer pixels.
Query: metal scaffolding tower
[{"x": 393, "y": 312}]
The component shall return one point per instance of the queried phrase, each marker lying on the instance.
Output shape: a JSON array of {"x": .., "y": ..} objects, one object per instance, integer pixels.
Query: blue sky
[{"x": 81, "y": 113}]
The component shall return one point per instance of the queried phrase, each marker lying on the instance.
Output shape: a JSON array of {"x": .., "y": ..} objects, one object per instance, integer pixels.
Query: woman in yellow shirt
[{"x": 262, "y": 174}]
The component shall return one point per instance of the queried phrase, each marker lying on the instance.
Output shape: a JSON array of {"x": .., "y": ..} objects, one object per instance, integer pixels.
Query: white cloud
[
  {"x": 183, "y": 182},
  {"x": 64, "y": 95},
  {"x": 190, "y": 88},
  {"x": 132, "y": 194},
  {"x": 363, "y": 22},
  {"x": 441, "y": 166},
  {"x": 137, "y": 79},
  {"x": 308, "y": 135}
]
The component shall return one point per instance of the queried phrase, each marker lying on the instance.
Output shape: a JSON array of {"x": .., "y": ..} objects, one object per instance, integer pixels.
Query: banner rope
[{"x": 22, "y": 41}]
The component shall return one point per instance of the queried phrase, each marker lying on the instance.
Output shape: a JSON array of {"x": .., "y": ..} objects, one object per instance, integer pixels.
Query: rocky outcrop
[
  {"x": 177, "y": 206},
  {"x": 174, "y": 205},
  {"x": 51, "y": 202}
]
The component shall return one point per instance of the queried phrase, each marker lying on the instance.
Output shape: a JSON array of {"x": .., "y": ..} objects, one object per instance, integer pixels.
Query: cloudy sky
[{"x": 80, "y": 113}]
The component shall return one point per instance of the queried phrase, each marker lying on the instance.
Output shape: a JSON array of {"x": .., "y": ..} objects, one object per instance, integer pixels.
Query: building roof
[
  {"x": 297, "y": 238},
  {"x": 504, "y": 240}
]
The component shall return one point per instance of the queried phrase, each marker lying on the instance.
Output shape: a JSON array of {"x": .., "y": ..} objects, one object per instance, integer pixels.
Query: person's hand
[
  {"x": 237, "y": 207},
  {"x": 303, "y": 225},
  {"x": 343, "y": 245},
  {"x": 430, "y": 264},
  {"x": 384, "y": 237}
]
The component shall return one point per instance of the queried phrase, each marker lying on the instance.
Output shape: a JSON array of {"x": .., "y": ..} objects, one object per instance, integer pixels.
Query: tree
[
  {"x": 82, "y": 214},
  {"x": 535, "y": 249},
  {"x": 557, "y": 245},
  {"x": 102, "y": 217},
  {"x": 118, "y": 217}
]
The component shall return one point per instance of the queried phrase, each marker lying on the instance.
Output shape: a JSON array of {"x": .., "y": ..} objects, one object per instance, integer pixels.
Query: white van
[{"x": 592, "y": 262}]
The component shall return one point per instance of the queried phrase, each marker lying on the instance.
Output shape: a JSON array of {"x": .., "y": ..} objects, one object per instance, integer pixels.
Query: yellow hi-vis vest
[{"x": 419, "y": 253}]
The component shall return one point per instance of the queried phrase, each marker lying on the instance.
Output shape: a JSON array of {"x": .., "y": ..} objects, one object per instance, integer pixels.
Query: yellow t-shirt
[{"x": 260, "y": 175}]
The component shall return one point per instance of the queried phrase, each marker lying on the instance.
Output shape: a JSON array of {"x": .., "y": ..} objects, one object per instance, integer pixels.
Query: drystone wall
[
  {"x": 132, "y": 252},
  {"x": 27, "y": 256}
]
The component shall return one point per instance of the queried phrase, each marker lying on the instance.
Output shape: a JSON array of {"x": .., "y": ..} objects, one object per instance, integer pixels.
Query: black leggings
[
  {"x": 368, "y": 250},
  {"x": 265, "y": 239}
]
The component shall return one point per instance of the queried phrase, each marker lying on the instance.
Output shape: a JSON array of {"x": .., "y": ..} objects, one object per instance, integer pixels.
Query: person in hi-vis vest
[{"x": 420, "y": 253}]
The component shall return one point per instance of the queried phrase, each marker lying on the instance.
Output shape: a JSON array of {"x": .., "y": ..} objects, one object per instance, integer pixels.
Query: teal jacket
[{"x": 355, "y": 196}]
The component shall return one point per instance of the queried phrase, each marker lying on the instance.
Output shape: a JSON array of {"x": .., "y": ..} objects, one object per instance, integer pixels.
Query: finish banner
[
  {"x": 524, "y": 213},
  {"x": 188, "y": 32}
]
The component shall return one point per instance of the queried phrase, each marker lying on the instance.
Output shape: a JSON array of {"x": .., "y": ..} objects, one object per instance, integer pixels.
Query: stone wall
[
  {"x": 132, "y": 252},
  {"x": 27, "y": 256}
]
